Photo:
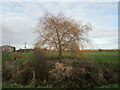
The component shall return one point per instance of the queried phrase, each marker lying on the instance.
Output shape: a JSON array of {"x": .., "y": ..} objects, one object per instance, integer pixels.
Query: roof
[{"x": 7, "y": 46}]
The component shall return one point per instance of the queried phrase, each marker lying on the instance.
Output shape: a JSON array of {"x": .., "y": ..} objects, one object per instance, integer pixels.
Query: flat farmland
[{"x": 97, "y": 56}]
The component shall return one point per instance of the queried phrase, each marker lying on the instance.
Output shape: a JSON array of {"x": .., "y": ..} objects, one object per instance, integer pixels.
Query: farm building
[
  {"x": 25, "y": 50},
  {"x": 7, "y": 48}
]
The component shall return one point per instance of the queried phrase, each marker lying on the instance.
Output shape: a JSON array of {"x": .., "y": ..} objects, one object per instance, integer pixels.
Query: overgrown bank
[{"x": 67, "y": 72}]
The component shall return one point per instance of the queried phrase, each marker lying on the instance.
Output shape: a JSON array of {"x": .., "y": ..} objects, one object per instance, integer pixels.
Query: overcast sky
[{"x": 19, "y": 20}]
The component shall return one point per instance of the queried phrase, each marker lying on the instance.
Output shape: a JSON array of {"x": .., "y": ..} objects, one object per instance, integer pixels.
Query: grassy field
[
  {"x": 104, "y": 59},
  {"x": 97, "y": 56}
]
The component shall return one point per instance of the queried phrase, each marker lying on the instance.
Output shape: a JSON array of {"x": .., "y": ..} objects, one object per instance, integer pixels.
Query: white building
[{"x": 7, "y": 48}]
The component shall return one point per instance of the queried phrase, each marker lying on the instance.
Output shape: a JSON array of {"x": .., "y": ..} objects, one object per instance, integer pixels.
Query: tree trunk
[{"x": 60, "y": 54}]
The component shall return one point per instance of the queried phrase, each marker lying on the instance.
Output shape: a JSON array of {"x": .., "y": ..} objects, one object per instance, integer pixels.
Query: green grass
[
  {"x": 25, "y": 56},
  {"x": 116, "y": 85},
  {"x": 8, "y": 85},
  {"x": 90, "y": 55},
  {"x": 101, "y": 56},
  {"x": 106, "y": 57},
  {"x": 103, "y": 59},
  {"x": 6, "y": 57}
]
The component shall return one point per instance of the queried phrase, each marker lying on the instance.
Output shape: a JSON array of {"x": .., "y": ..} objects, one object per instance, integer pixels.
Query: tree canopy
[{"x": 61, "y": 33}]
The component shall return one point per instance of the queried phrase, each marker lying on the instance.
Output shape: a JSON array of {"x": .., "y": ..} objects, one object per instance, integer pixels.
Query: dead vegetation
[
  {"x": 83, "y": 75},
  {"x": 64, "y": 73}
]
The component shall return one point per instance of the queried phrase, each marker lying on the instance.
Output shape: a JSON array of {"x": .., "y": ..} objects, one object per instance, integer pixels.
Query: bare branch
[{"x": 59, "y": 32}]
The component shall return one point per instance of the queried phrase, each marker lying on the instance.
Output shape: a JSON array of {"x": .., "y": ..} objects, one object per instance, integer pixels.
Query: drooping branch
[{"x": 59, "y": 32}]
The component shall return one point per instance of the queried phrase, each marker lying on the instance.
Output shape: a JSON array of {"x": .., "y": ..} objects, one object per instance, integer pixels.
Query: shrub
[
  {"x": 22, "y": 74},
  {"x": 39, "y": 66},
  {"x": 83, "y": 75},
  {"x": 6, "y": 72},
  {"x": 33, "y": 71}
]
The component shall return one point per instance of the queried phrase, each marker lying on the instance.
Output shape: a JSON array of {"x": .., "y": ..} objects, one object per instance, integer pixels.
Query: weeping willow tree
[{"x": 61, "y": 33}]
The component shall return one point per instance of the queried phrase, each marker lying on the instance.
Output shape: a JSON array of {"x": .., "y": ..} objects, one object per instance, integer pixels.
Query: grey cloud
[
  {"x": 19, "y": 32},
  {"x": 19, "y": 26}
]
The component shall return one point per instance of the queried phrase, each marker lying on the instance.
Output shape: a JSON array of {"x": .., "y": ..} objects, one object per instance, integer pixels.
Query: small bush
[
  {"x": 22, "y": 75},
  {"x": 6, "y": 72},
  {"x": 40, "y": 66},
  {"x": 7, "y": 66}
]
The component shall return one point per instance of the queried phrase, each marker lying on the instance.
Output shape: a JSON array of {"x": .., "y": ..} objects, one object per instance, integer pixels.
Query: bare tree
[{"x": 59, "y": 32}]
